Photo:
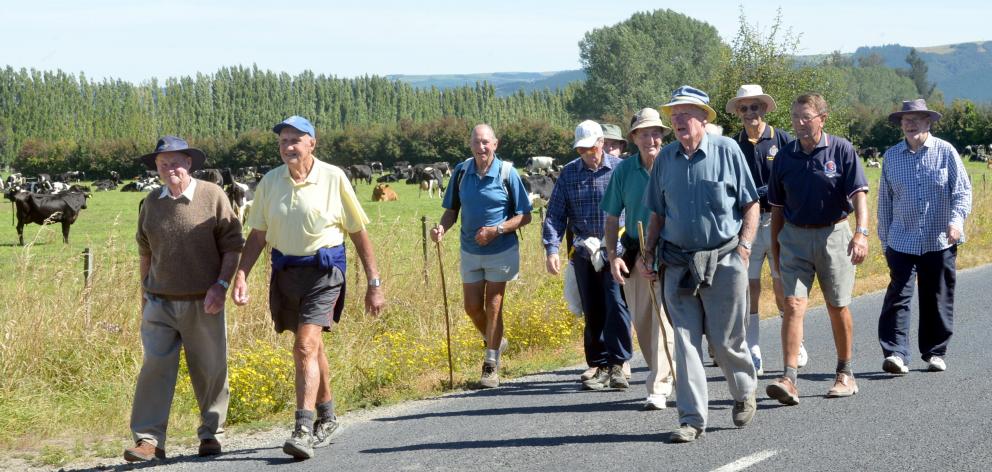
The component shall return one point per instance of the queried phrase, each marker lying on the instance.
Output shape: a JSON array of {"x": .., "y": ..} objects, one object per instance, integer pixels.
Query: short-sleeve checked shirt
[
  {"x": 920, "y": 193},
  {"x": 575, "y": 203}
]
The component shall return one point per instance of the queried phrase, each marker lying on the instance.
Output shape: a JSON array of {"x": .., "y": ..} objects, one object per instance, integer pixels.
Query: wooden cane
[
  {"x": 654, "y": 303},
  {"x": 447, "y": 317}
]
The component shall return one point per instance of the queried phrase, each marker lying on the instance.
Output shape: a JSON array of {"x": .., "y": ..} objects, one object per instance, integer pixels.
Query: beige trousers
[
  {"x": 637, "y": 292},
  {"x": 167, "y": 326}
]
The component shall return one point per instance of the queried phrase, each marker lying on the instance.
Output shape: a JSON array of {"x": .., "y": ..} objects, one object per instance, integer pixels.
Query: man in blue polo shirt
[
  {"x": 816, "y": 181},
  {"x": 760, "y": 143},
  {"x": 496, "y": 205},
  {"x": 704, "y": 212},
  {"x": 574, "y": 204}
]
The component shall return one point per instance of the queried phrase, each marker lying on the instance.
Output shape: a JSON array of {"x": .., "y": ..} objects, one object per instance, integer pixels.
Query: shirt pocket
[
  {"x": 715, "y": 195},
  {"x": 940, "y": 177}
]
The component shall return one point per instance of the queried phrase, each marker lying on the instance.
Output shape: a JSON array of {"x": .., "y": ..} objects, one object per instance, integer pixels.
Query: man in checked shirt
[
  {"x": 924, "y": 197},
  {"x": 574, "y": 204}
]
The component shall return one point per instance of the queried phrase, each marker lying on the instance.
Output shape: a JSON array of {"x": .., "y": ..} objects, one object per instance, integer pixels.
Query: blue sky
[{"x": 136, "y": 40}]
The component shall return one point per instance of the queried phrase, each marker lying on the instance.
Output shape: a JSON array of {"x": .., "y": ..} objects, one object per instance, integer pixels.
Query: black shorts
[{"x": 304, "y": 295}]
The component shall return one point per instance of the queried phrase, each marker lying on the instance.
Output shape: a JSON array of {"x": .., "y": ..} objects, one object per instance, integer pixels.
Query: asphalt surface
[{"x": 921, "y": 421}]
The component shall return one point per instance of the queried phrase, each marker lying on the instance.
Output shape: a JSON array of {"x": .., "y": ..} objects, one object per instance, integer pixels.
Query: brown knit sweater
[{"x": 186, "y": 239}]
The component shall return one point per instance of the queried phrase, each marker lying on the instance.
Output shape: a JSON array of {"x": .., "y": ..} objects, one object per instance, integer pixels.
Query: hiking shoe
[
  {"x": 209, "y": 447},
  {"x": 490, "y": 377},
  {"x": 300, "y": 444},
  {"x": 626, "y": 370},
  {"x": 936, "y": 364},
  {"x": 783, "y": 390},
  {"x": 589, "y": 373},
  {"x": 324, "y": 430},
  {"x": 894, "y": 365},
  {"x": 803, "y": 355},
  {"x": 143, "y": 451},
  {"x": 743, "y": 411},
  {"x": 599, "y": 381},
  {"x": 844, "y": 386},
  {"x": 617, "y": 377},
  {"x": 656, "y": 401},
  {"x": 686, "y": 433}
]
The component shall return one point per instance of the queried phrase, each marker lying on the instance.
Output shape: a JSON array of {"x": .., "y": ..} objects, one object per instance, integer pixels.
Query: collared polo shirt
[
  {"x": 575, "y": 203},
  {"x": 919, "y": 194},
  {"x": 702, "y": 196},
  {"x": 188, "y": 193},
  {"x": 816, "y": 189},
  {"x": 625, "y": 193},
  {"x": 761, "y": 154},
  {"x": 300, "y": 218},
  {"x": 484, "y": 202}
]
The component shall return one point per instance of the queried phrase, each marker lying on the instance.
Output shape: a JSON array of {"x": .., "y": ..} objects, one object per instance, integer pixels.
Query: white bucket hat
[
  {"x": 587, "y": 133},
  {"x": 751, "y": 91}
]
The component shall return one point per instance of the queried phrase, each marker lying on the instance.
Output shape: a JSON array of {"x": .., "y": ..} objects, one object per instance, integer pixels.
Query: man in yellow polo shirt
[{"x": 302, "y": 210}]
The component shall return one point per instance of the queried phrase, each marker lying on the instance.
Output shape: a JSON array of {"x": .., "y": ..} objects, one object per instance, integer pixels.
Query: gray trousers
[
  {"x": 166, "y": 326},
  {"x": 719, "y": 311}
]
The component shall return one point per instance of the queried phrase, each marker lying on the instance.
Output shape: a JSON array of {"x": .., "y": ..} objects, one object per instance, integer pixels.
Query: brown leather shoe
[
  {"x": 844, "y": 386},
  {"x": 784, "y": 391},
  {"x": 209, "y": 447},
  {"x": 143, "y": 451}
]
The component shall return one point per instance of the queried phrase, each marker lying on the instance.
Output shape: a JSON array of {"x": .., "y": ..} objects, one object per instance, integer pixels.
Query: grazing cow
[
  {"x": 15, "y": 180},
  {"x": 241, "y": 196},
  {"x": 869, "y": 153},
  {"x": 382, "y": 193},
  {"x": 444, "y": 167},
  {"x": 376, "y": 167},
  {"x": 360, "y": 172},
  {"x": 46, "y": 209},
  {"x": 105, "y": 185},
  {"x": 72, "y": 176},
  {"x": 543, "y": 164},
  {"x": 538, "y": 187},
  {"x": 430, "y": 186},
  {"x": 872, "y": 162},
  {"x": 425, "y": 173},
  {"x": 207, "y": 175}
]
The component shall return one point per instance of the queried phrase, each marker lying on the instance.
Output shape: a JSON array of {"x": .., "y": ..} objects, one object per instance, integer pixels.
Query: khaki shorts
[
  {"x": 761, "y": 248},
  {"x": 500, "y": 267},
  {"x": 808, "y": 253}
]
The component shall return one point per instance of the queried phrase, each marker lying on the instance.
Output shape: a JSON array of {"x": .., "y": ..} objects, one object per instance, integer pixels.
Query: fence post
[
  {"x": 87, "y": 267},
  {"x": 423, "y": 238}
]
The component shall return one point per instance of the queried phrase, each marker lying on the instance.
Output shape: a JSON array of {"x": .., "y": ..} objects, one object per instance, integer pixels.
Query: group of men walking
[{"x": 668, "y": 242}]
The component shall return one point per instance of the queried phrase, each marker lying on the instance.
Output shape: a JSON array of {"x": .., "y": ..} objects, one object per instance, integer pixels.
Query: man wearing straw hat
[
  {"x": 626, "y": 194},
  {"x": 816, "y": 182},
  {"x": 189, "y": 240},
  {"x": 760, "y": 143},
  {"x": 704, "y": 213},
  {"x": 924, "y": 196},
  {"x": 613, "y": 142},
  {"x": 303, "y": 210},
  {"x": 574, "y": 204},
  {"x": 495, "y": 206}
]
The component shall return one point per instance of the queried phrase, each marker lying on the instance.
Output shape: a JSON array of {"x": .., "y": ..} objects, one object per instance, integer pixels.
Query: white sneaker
[
  {"x": 655, "y": 401},
  {"x": 759, "y": 367},
  {"x": 626, "y": 370},
  {"x": 936, "y": 364},
  {"x": 894, "y": 365},
  {"x": 589, "y": 373},
  {"x": 803, "y": 356}
]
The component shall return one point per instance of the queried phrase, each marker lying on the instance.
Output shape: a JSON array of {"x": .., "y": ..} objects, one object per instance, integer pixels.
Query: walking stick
[
  {"x": 654, "y": 303},
  {"x": 447, "y": 317}
]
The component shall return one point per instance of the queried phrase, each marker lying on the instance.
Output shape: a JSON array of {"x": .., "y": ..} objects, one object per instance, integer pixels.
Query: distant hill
[
  {"x": 506, "y": 83},
  {"x": 960, "y": 70}
]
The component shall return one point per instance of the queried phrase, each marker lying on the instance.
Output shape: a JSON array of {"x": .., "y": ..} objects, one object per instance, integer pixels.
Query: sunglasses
[{"x": 752, "y": 107}]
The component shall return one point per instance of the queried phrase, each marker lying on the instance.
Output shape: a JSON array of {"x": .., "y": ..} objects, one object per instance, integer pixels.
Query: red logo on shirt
[{"x": 830, "y": 168}]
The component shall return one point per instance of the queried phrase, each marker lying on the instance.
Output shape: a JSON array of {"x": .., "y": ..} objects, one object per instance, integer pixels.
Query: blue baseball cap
[
  {"x": 686, "y": 95},
  {"x": 299, "y": 123},
  {"x": 174, "y": 144}
]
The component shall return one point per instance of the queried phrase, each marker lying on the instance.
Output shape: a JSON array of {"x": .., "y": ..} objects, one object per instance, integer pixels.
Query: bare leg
[
  {"x": 843, "y": 328},
  {"x": 475, "y": 306},
  {"x": 494, "y": 313},
  {"x": 792, "y": 330},
  {"x": 306, "y": 350}
]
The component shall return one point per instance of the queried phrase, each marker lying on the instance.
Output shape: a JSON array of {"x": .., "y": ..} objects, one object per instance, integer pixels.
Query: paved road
[{"x": 923, "y": 421}]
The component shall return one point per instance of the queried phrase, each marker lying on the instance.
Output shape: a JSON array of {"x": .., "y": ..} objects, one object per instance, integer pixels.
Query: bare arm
[
  {"x": 858, "y": 247},
  {"x": 748, "y": 229},
  {"x": 448, "y": 220},
  {"x": 617, "y": 266},
  {"x": 249, "y": 254},
  {"x": 374, "y": 298},
  {"x": 214, "y": 300},
  {"x": 487, "y": 234}
]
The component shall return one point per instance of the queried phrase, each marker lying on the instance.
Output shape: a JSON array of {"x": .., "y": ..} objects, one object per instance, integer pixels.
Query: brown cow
[{"x": 382, "y": 193}]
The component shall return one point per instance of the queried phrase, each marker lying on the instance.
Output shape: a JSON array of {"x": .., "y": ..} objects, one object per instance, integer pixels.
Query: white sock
[
  {"x": 492, "y": 355},
  {"x": 752, "y": 330}
]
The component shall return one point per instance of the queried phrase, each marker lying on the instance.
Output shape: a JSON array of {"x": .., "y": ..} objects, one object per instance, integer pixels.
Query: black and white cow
[{"x": 46, "y": 209}]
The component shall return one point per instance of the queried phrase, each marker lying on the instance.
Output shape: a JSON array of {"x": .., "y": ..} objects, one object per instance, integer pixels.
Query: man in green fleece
[{"x": 189, "y": 242}]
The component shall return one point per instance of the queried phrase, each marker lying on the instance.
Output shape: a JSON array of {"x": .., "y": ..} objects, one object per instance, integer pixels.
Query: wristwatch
[
  {"x": 376, "y": 282},
  {"x": 499, "y": 229},
  {"x": 862, "y": 230},
  {"x": 745, "y": 243},
  {"x": 224, "y": 283}
]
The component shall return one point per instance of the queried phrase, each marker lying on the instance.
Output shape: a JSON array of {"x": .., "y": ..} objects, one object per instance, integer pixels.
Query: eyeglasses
[
  {"x": 752, "y": 107},
  {"x": 805, "y": 119}
]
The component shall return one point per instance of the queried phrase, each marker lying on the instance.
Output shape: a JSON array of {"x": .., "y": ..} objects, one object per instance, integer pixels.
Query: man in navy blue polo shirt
[
  {"x": 760, "y": 143},
  {"x": 574, "y": 204},
  {"x": 816, "y": 182},
  {"x": 496, "y": 205}
]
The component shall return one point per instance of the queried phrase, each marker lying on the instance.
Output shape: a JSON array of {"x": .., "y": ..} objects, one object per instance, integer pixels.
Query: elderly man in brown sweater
[{"x": 189, "y": 241}]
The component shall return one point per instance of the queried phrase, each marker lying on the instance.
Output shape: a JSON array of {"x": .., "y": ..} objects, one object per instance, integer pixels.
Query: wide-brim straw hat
[
  {"x": 752, "y": 91},
  {"x": 647, "y": 118},
  {"x": 686, "y": 95},
  {"x": 913, "y": 106}
]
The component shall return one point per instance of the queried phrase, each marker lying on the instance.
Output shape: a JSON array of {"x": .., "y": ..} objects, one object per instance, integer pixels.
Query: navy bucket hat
[
  {"x": 174, "y": 144},
  {"x": 297, "y": 122}
]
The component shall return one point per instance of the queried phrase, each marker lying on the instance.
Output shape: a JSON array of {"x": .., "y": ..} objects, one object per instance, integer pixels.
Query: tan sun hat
[
  {"x": 751, "y": 91},
  {"x": 647, "y": 118}
]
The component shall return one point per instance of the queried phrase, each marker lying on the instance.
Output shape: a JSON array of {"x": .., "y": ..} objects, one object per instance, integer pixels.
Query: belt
[
  {"x": 828, "y": 225},
  {"x": 180, "y": 298}
]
